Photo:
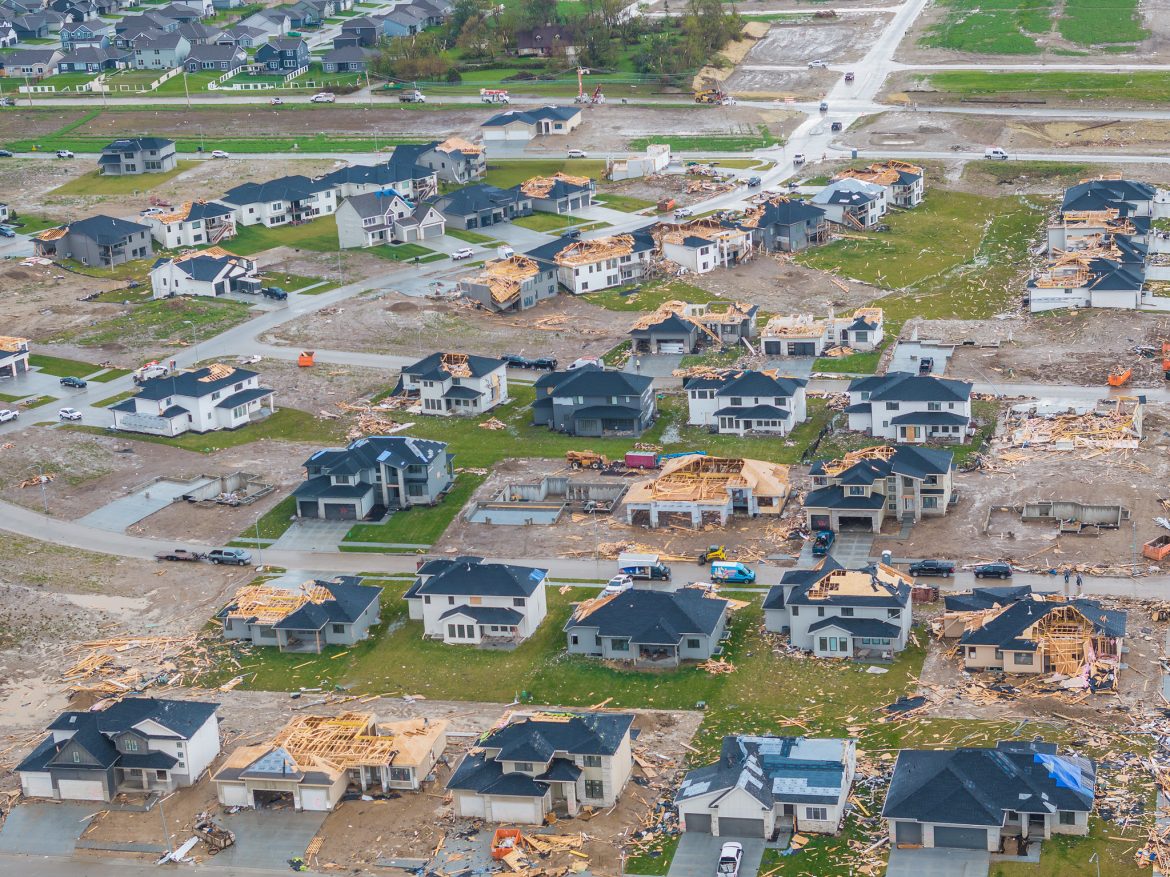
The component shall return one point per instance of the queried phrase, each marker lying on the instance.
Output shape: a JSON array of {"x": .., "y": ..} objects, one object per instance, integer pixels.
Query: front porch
[{"x": 144, "y": 780}]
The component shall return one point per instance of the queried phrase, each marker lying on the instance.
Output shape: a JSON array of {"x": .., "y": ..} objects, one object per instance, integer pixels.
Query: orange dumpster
[
  {"x": 505, "y": 841},
  {"x": 306, "y": 358},
  {"x": 1120, "y": 379}
]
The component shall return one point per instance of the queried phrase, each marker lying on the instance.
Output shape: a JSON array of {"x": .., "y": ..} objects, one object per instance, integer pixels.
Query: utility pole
[
  {"x": 186, "y": 90},
  {"x": 166, "y": 831},
  {"x": 194, "y": 339}
]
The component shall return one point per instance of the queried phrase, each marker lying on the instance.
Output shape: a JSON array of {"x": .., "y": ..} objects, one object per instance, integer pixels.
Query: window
[
  {"x": 591, "y": 760},
  {"x": 518, "y": 602},
  {"x": 160, "y": 774},
  {"x": 818, "y": 813},
  {"x": 693, "y": 642},
  {"x": 824, "y": 645},
  {"x": 1068, "y": 817},
  {"x": 1023, "y": 658},
  {"x": 620, "y": 645},
  {"x": 427, "y": 599},
  {"x": 930, "y": 502},
  {"x": 76, "y": 757},
  {"x": 934, "y": 406},
  {"x": 847, "y": 611},
  {"x": 450, "y": 601},
  {"x": 856, "y": 491},
  {"x": 400, "y": 774},
  {"x": 795, "y": 611},
  {"x": 573, "y": 640},
  {"x": 451, "y": 631},
  {"x": 524, "y": 766},
  {"x": 972, "y": 651},
  {"x": 999, "y": 654},
  {"x": 820, "y": 612},
  {"x": 594, "y": 789},
  {"x": 893, "y": 613},
  {"x": 130, "y": 744},
  {"x": 892, "y": 406},
  {"x": 339, "y": 628}
]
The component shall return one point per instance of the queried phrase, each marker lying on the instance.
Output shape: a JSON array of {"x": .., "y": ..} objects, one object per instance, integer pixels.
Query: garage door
[
  {"x": 522, "y": 811},
  {"x": 340, "y": 512},
  {"x": 700, "y": 822},
  {"x": 82, "y": 790},
  {"x": 908, "y": 833},
  {"x": 315, "y": 799},
  {"x": 309, "y": 509},
  {"x": 802, "y": 348},
  {"x": 671, "y": 347},
  {"x": 729, "y": 827},
  {"x": 854, "y": 522},
  {"x": 961, "y": 838},
  {"x": 36, "y": 785}
]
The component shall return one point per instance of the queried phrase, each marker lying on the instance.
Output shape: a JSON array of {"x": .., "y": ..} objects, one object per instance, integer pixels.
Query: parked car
[
  {"x": 823, "y": 542},
  {"x": 463, "y": 253},
  {"x": 993, "y": 571},
  {"x": 237, "y": 556},
  {"x": 942, "y": 568},
  {"x": 540, "y": 363},
  {"x": 836, "y": 126},
  {"x": 818, "y": 63},
  {"x": 69, "y": 414},
  {"x": 824, "y": 106},
  {"x": 277, "y": 102},
  {"x": 323, "y": 98},
  {"x": 219, "y": 153},
  {"x": 754, "y": 182},
  {"x": 151, "y": 211},
  {"x": 730, "y": 571},
  {"x": 573, "y": 234},
  {"x": 683, "y": 213},
  {"x": 8, "y": 414},
  {"x": 995, "y": 152},
  {"x": 4, "y": 153},
  {"x": 730, "y": 858},
  {"x": 617, "y": 585},
  {"x": 849, "y": 77},
  {"x": 577, "y": 153},
  {"x": 273, "y": 292},
  {"x": 6, "y": 232},
  {"x": 76, "y": 383},
  {"x": 798, "y": 159}
]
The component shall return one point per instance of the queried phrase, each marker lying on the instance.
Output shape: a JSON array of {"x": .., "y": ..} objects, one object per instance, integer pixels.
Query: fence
[{"x": 102, "y": 84}]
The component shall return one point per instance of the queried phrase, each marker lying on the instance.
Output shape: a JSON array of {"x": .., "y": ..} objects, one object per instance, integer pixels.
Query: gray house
[
  {"x": 161, "y": 52},
  {"x": 339, "y": 612},
  {"x": 482, "y": 205},
  {"x": 790, "y": 226},
  {"x": 591, "y": 401},
  {"x": 221, "y": 57},
  {"x": 100, "y": 241},
  {"x": 373, "y": 475},
  {"x": 345, "y": 59},
  {"x": 513, "y": 284},
  {"x": 138, "y": 155},
  {"x": 454, "y": 160},
  {"x": 649, "y": 628},
  {"x": 671, "y": 334}
]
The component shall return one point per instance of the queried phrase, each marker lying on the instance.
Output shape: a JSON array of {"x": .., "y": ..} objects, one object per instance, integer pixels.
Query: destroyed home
[
  {"x": 135, "y": 746},
  {"x": 762, "y": 786},
  {"x": 138, "y": 155},
  {"x": 1115, "y": 423},
  {"x": 804, "y": 335},
  {"x": 1109, "y": 273},
  {"x": 1095, "y": 210},
  {"x": 453, "y": 160},
  {"x": 97, "y": 242},
  {"x": 468, "y": 602},
  {"x": 854, "y": 204},
  {"x": 481, "y": 205},
  {"x": 377, "y": 218},
  {"x": 560, "y": 193},
  {"x": 215, "y": 397},
  {"x": 910, "y": 409},
  {"x": 312, "y": 762},
  {"x": 1047, "y": 633},
  {"x": 965, "y": 607},
  {"x": 401, "y": 174},
  {"x": 456, "y": 383},
  {"x": 863, "y": 488},
  {"x": 702, "y": 245},
  {"x": 294, "y": 199},
  {"x": 211, "y": 272},
  {"x": 319, "y": 613},
  {"x": 542, "y": 763},
  {"x": 527, "y": 503},
  {"x": 905, "y": 183},
  {"x": 679, "y": 327},
  {"x": 374, "y": 475},
  {"x": 696, "y": 490},
  {"x": 649, "y": 628},
  {"x": 737, "y": 403},
  {"x": 597, "y": 263},
  {"x": 513, "y": 284},
  {"x": 654, "y": 160},
  {"x": 786, "y": 225},
  {"x": 14, "y": 354},
  {"x": 998, "y": 800},
  {"x": 520, "y": 126},
  {"x": 592, "y": 401},
  {"x": 834, "y": 612},
  {"x": 192, "y": 224}
]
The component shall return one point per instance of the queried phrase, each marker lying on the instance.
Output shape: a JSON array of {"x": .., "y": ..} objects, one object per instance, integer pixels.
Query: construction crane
[{"x": 582, "y": 97}]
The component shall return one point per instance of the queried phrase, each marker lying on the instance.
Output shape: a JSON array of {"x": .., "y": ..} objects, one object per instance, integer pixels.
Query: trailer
[
  {"x": 181, "y": 554},
  {"x": 1157, "y": 549},
  {"x": 214, "y": 835}
]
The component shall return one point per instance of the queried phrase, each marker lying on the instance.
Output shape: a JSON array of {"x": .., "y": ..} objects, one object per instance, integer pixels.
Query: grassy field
[
  {"x": 1062, "y": 856},
  {"x": 991, "y": 27},
  {"x": 149, "y": 324},
  {"x": 708, "y": 142},
  {"x": 319, "y": 235},
  {"x": 864, "y": 363},
  {"x": 423, "y": 525},
  {"x": 95, "y": 183},
  {"x": 1098, "y": 22},
  {"x": 622, "y": 202},
  {"x": 511, "y": 173},
  {"x": 1058, "y": 172},
  {"x": 649, "y": 296},
  {"x": 550, "y": 222},
  {"x": 470, "y": 237},
  {"x": 1139, "y": 87},
  {"x": 61, "y": 367},
  {"x": 406, "y": 253}
]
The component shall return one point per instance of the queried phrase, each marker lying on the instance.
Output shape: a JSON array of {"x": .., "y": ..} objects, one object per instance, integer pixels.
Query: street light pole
[
  {"x": 166, "y": 831},
  {"x": 194, "y": 339}
]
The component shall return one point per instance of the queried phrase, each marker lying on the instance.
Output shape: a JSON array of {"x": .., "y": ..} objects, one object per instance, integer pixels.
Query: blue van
[{"x": 731, "y": 571}]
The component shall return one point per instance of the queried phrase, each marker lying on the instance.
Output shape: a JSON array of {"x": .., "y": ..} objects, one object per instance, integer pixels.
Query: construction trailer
[{"x": 696, "y": 490}]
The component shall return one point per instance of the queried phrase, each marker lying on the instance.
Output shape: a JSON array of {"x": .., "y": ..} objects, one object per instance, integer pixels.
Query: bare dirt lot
[{"x": 394, "y": 323}]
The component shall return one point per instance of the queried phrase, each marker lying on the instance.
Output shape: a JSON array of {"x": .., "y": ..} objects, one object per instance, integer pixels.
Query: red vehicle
[{"x": 641, "y": 459}]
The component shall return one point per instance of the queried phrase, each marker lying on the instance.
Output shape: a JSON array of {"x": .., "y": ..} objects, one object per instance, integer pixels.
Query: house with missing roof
[
  {"x": 192, "y": 224},
  {"x": 373, "y": 475},
  {"x": 696, "y": 489},
  {"x": 1096, "y": 209},
  {"x": 560, "y": 193},
  {"x": 905, "y": 183},
  {"x": 211, "y": 272},
  {"x": 293, "y": 199},
  {"x": 681, "y": 327},
  {"x": 997, "y": 799},
  {"x": 539, "y": 764},
  {"x": 14, "y": 354},
  {"x": 136, "y": 746},
  {"x": 803, "y": 335},
  {"x": 320, "y": 613},
  {"x": 464, "y": 601},
  {"x": 702, "y": 245},
  {"x": 649, "y": 628},
  {"x": 910, "y": 409},
  {"x": 835, "y": 612},
  {"x": 852, "y": 203},
  {"x": 787, "y": 225},
  {"x": 600, "y": 263},
  {"x": 520, "y": 126},
  {"x": 1111, "y": 272},
  {"x": 376, "y": 218},
  {"x": 592, "y": 401},
  {"x": 201, "y": 400},
  {"x": 453, "y": 160},
  {"x": 456, "y": 383},
  {"x": 863, "y": 488},
  {"x": 513, "y": 284},
  {"x": 99, "y": 241},
  {"x": 764, "y": 785},
  {"x": 736, "y": 403}
]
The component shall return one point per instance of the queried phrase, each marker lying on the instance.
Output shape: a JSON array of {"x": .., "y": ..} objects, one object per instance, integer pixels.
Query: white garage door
[
  {"x": 233, "y": 794},
  {"x": 315, "y": 799},
  {"x": 36, "y": 785},
  {"x": 671, "y": 347},
  {"x": 82, "y": 790},
  {"x": 521, "y": 810},
  {"x": 469, "y": 805}
]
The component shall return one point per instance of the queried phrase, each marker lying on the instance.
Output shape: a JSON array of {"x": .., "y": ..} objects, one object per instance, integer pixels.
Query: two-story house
[
  {"x": 539, "y": 764},
  {"x": 454, "y": 160},
  {"x": 161, "y": 52},
  {"x": 284, "y": 54},
  {"x": 481, "y": 205},
  {"x": 400, "y": 173},
  {"x": 909, "y": 408},
  {"x": 764, "y": 785},
  {"x": 787, "y": 225},
  {"x": 319, "y": 613},
  {"x": 464, "y": 601},
  {"x": 136, "y": 746},
  {"x": 373, "y": 475},
  {"x": 14, "y": 354},
  {"x": 385, "y": 218},
  {"x": 597, "y": 263},
  {"x": 99, "y": 241},
  {"x": 138, "y": 155},
  {"x": 456, "y": 383},
  {"x": 513, "y": 284},
  {"x": 560, "y": 193},
  {"x": 803, "y": 335},
  {"x": 905, "y": 183},
  {"x": 93, "y": 59},
  {"x": 835, "y": 612},
  {"x": 212, "y": 272},
  {"x": 696, "y": 489},
  {"x": 591, "y": 401},
  {"x": 363, "y": 28},
  {"x": 202, "y": 400},
  {"x": 192, "y": 224},
  {"x": 865, "y": 487},
  {"x": 280, "y": 201},
  {"x": 649, "y": 628},
  {"x": 852, "y": 203},
  {"x": 735, "y": 403},
  {"x": 8, "y": 37},
  {"x": 90, "y": 32},
  {"x": 702, "y": 245},
  {"x": 994, "y": 800}
]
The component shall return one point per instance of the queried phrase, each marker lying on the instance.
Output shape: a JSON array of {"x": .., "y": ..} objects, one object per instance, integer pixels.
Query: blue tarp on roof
[{"x": 1066, "y": 774}]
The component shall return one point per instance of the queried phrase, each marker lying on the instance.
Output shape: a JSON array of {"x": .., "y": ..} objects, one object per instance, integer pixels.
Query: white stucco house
[
  {"x": 456, "y": 383},
  {"x": 202, "y": 400}
]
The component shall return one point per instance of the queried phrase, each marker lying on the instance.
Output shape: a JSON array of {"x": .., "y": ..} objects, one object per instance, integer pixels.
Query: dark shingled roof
[
  {"x": 1007, "y": 628},
  {"x": 484, "y": 580},
  {"x": 907, "y": 387},
  {"x": 654, "y": 617},
  {"x": 189, "y": 384},
  {"x": 431, "y": 367}
]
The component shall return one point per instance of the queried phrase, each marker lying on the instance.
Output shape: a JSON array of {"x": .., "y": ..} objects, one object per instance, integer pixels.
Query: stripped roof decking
[
  {"x": 539, "y": 187},
  {"x": 12, "y": 343},
  {"x": 352, "y": 740},
  {"x": 269, "y": 605},
  {"x": 590, "y": 251}
]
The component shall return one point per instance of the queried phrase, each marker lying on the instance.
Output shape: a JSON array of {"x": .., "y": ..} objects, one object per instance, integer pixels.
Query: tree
[{"x": 538, "y": 12}]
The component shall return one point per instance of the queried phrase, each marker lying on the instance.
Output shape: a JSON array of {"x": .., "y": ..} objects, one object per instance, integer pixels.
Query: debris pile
[
  {"x": 1115, "y": 424},
  {"x": 120, "y": 666}
]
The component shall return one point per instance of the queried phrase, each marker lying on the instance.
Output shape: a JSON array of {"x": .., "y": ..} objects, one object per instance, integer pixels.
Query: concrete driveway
[
  {"x": 267, "y": 839},
  {"x": 116, "y": 516},
  {"x": 850, "y": 549},
  {"x": 46, "y": 829},
  {"x": 938, "y": 863},
  {"x": 313, "y": 535},
  {"x": 698, "y": 854}
]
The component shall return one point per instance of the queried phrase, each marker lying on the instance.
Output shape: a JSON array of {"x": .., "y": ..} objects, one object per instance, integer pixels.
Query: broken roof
[
  {"x": 795, "y": 770},
  {"x": 504, "y": 277},
  {"x": 558, "y": 185},
  {"x": 702, "y": 479}
]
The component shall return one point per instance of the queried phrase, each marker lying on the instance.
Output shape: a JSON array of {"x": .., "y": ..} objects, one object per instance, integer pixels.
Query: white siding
[{"x": 233, "y": 794}]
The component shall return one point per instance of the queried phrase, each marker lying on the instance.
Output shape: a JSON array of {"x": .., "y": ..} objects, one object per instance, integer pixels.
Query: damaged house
[
  {"x": 679, "y": 327},
  {"x": 704, "y": 490},
  {"x": 905, "y": 183},
  {"x": 513, "y": 284},
  {"x": 216, "y": 397},
  {"x": 702, "y": 245},
  {"x": 560, "y": 193},
  {"x": 591, "y": 401},
  {"x": 598, "y": 263},
  {"x": 854, "y": 204},
  {"x": 1109, "y": 273},
  {"x": 804, "y": 335},
  {"x": 456, "y": 383},
  {"x": 787, "y": 225}
]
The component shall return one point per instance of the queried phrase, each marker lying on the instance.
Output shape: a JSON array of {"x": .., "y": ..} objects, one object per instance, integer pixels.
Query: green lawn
[
  {"x": 623, "y": 202},
  {"x": 654, "y": 859},
  {"x": 511, "y": 173},
  {"x": 115, "y": 399},
  {"x": 290, "y": 282},
  {"x": 471, "y": 237},
  {"x": 95, "y": 183},
  {"x": 708, "y": 142},
  {"x": 60, "y": 367},
  {"x": 319, "y": 235},
  {"x": 272, "y": 523},
  {"x": 406, "y": 253},
  {"x": 991, "y": 27},
  {"x": 650, "y": 295},
  {"x": 548, "y": 222},
  {"x": 1062, "y": 856},
  {"x": 423, "y": 525},
  {"x": 1097, "y": 22},
  {"x": 65, "y": 81},
  {"x": 195, "y": 84},
  {"x": 863, "y": 363},
  {"x": 31, "y": 223},
  {"x": 148, "y": 326},
  {"x": 1139, "y": 87},
  {"x": 1057, "y": 172}
]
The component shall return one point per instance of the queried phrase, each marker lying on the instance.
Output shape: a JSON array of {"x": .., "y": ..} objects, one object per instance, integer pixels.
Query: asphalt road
[{"x": 27, "y": 866}]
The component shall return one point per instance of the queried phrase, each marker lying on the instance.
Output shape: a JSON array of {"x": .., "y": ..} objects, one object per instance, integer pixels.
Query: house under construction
[
  {"x": 311, "y": 762},
  {"x": 1114, "y": 423},
  {"x": 702, "y": 245},
  {"x": 14, "y": 354},
  {"x": 702, "y": 490},
  {"x": 805, "y": 335},
  {"x": 513, "y": 284}
]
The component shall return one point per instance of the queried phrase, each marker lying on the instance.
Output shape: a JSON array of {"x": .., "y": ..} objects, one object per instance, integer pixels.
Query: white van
[
  {"x": 504, "y": 252},
  {"x": 995, "y": 152}
]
